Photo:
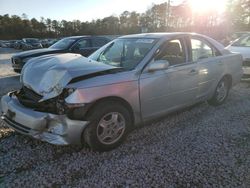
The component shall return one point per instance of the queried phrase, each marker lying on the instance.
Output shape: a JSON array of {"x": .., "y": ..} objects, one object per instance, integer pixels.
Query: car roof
[
  {"x": 216, "y": 44},
  {"x": 83, "y": 36},
  {"x": 159, "y": 35},
  {"x": 76, "y": 37}
]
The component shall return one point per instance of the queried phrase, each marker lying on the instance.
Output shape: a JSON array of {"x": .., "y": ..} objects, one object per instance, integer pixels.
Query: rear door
[{"x": 210, "y": 65}]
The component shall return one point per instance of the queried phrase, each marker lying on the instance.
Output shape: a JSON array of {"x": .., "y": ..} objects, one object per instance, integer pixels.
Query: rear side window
[
  {"x": 98, "y": 42},
  {"x": 202, "y": 50}
]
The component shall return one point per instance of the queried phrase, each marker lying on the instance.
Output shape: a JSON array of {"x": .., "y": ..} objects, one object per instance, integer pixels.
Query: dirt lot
[
  {"x": 5, "y": 64},
  {"x": 202, "y": 146}
]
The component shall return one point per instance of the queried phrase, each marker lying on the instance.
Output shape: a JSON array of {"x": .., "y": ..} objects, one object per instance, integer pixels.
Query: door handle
[{"x": 193, "y": 72}]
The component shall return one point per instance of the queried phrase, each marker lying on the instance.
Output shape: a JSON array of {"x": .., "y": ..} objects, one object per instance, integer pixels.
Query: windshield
[
  {"x": 63, "y": 43},
  {"x": 125, "y": 53},
  {"x": 243, "y": 41}
]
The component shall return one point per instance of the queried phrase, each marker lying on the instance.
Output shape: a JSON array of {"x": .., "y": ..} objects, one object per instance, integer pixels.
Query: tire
[
  {"x": 221, "y": 92},
  {"x": 108, "y": 127},
  {"x": 17, "y": 70}
]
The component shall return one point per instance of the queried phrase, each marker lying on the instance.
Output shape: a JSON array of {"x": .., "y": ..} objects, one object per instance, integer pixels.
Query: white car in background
[{"x": 242, "y": 46}]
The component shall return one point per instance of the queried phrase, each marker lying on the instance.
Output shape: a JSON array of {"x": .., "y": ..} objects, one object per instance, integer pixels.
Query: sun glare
[{"x": 200, "y": 6}]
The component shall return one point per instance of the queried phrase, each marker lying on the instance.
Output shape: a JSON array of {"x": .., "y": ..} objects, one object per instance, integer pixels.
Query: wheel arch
[
  {"x": 114, "y": 99},
  {"x": 229, "y": 78}
]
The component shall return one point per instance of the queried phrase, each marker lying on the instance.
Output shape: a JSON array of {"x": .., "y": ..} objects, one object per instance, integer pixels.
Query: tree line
[{"x": 158, "y": 18}]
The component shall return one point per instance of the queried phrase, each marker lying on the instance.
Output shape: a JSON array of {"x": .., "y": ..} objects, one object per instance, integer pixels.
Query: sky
[{"x": 83, "y": 10}]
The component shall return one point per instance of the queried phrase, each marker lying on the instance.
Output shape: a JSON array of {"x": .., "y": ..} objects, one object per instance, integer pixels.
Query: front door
[{"x": 166, "y": 90}]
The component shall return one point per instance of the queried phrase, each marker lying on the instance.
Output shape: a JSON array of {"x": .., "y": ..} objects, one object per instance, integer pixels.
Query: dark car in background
[
  {"x": 7, "y": 43},
  {"x": 84, "y": 45},
  {"x": 31, "y": 43},
  {"x": 11, "y": 43},
  {"x": 48, "y": 42},
  {"x": 2, "y": 44},
  {"x": 18, "y": 44}
]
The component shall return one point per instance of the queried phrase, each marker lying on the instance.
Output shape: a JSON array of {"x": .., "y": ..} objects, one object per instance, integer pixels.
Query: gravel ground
[{"x": 202, "y": 146}]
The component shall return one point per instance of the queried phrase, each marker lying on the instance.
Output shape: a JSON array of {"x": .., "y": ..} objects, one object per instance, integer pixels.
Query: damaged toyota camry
[{"x": 69, "y": 99}]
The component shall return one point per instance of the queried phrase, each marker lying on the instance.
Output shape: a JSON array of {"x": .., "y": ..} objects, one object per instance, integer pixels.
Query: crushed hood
[{"x": 48, "y": 75}]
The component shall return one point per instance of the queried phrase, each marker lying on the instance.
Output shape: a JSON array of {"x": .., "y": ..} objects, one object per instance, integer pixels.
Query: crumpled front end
[
  {"x": 53, "y": 128},
  {"x": 48, "y": 75}
]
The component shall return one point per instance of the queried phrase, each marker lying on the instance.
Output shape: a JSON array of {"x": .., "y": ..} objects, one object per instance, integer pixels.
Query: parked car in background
[
  {"x": 18, "y": 44},
  {"x": 242, "y": 46},
  {"x": 48, "y": 42},
  {"x": 8, "y": 43},
  {"x": 70, "y": 99},
  {"x": 44, "y": 43},
  {"x": 239, "y": 34},
  {"x": 31, "y": 43},
  {"x": 12, "y": 43},
  {"x": 2, "y": 43},
  {"x": 84, "y": 45}
]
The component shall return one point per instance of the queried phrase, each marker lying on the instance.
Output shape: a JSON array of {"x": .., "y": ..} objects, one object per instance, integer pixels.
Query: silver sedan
[{"x": 70, "y": 99}]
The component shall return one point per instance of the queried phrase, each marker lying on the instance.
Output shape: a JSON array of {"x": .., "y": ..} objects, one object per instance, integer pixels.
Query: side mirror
[{"x": 158, "y": 65}]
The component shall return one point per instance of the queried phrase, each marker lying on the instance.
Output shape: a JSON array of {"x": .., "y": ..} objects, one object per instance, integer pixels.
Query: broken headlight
[
  {"x": 67, "y": 92},
  {"x": 60, "y": 103}
]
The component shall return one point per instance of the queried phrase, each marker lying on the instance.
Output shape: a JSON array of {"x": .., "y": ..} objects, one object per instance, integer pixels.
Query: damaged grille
[
  {"x": 30, "y": 99},
  {"x": 30, "y": 94}
]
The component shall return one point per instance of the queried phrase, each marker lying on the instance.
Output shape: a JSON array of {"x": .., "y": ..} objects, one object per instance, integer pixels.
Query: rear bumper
[{"x": 52, "y": 128}]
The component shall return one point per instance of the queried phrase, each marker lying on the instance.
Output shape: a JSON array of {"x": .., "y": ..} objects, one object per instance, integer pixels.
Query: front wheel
[
  {"x": 221, "y": 92},
  {"x": 109, "y": 125},
  {"x": 17, "y": 70}
]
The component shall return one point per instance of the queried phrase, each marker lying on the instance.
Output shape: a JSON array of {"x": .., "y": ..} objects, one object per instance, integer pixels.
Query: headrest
[{"x": 173, "y": 48}]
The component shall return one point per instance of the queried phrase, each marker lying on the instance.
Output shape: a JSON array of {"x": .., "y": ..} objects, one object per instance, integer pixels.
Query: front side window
[
  {"x": 82, "y": 44},
  {"x": 173, "y": 51},
  {"x": 201, "y": 50},
  {"x": 125, "y": 53}
]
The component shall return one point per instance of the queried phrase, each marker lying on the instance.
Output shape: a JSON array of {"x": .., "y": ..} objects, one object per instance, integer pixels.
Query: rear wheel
[
  {"x": 109, "y": 125},
  {"x": 221, "y": 92}
]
